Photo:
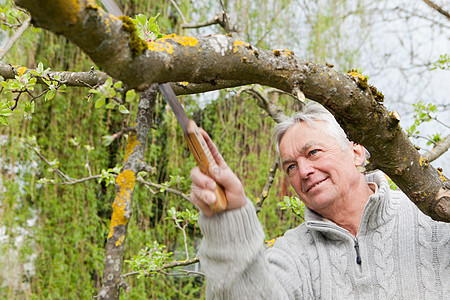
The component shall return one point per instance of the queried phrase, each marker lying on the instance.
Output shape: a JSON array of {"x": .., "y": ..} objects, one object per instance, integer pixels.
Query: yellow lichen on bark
[
  {"x": 160, "y": 46},
  {"x": 287, "y": 52},
  {"x": 441, "y": 176},
  {"x": 67, "y": 11},
  {"x": 163, "y": 45},
  {"x": 360, "y": 80},
  {"x": 131, "y": 145},
  {"x": 239, "y": 44},
  {"x": 120, "y": 216},
  {"x": 423, "y": 161},
  {"x": 108, "y": 26},
  {"x": 120, "y": 240},
  {"x": 182, "y": 40},
  {"x": 21, "y": 71},
  {"x": 356, "y": 74}
]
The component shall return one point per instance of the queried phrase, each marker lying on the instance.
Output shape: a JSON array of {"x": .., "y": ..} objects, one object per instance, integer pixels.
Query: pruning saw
[
  {"x": 196, "y": 143},
  {"x": 192, "y": 135}
]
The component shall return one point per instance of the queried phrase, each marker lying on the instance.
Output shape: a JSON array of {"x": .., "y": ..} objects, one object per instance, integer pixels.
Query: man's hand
[{"x": 202, "y": 187}]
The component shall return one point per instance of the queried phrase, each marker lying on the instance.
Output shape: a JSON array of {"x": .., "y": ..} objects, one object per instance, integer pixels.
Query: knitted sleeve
[{"x": 233, "y": 258}]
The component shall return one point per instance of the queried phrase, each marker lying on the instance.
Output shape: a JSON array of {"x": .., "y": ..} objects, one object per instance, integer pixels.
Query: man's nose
[{"x": 305, "y": 168}]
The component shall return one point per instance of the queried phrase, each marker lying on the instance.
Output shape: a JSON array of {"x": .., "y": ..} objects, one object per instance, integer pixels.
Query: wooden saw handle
[{"x": 205, "y": 161}]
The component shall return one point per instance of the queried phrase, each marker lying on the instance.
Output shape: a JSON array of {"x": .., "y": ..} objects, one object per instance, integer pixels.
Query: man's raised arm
[{"x": 232, "y": 254}]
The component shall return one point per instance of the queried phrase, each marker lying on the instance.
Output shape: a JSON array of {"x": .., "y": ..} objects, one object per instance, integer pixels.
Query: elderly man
[{"x": 360, "y": 240}]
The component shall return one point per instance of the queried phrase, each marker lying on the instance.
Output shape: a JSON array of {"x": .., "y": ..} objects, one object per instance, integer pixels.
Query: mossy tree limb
[
  {"x": 222, "y": 58},
  {"x": 122, "y": 206}
]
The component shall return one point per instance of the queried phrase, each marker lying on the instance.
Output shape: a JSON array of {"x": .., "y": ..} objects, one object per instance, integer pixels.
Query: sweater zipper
[
  {"x": 355, "y": 239},
  {"x": 358, "y": 257}
]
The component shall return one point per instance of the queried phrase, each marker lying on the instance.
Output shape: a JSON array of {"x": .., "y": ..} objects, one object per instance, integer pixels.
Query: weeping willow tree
[{"x": 67, "y": 157}]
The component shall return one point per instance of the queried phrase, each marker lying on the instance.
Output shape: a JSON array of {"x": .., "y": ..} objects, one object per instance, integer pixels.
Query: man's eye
[
  {"x": 313, "y": 152},
  {"x": 290, "y": 168}
]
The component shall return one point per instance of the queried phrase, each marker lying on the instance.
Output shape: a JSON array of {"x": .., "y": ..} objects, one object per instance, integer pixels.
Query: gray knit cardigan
[{"x": 399, "y": 253}]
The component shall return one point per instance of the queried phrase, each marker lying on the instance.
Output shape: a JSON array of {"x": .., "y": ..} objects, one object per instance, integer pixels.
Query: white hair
[{"x": 311, "y": 113}]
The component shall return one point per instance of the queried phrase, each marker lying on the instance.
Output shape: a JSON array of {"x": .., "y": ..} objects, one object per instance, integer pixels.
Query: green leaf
[
  {"x": 111, "y": 105},
  {"x": 130, "y": 95},
  {"x": 107, "y": 140},
  {"x": 118, "y": 85},
  {"x": 123, "y": 109},
  {"x": 50, "y": 95},
  {"x": 108, "y": 82},
  {"x": 74, "y": 142},
  {"x": 40, "y": 69},
  {"x": 6, "y": 112},
  {"x": 100, "y": 102},
  {"x": 142, "y": 19},
  {"x": 28, "y": 107},
  {"x": 3, "y": 121},
  {"x": 88, "y": 148}
]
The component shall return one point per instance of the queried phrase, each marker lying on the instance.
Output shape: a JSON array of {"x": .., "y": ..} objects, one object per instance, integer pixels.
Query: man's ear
[{"x": 359, "y": 154}]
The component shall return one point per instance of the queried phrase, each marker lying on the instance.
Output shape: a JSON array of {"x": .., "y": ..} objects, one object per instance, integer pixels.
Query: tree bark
[
  {"x": 113, "y": 45},
  {"x": 122, "y": 206}
]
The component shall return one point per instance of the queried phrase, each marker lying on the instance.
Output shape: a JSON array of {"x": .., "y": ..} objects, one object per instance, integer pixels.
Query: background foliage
[{"x": 53, "y": 235}]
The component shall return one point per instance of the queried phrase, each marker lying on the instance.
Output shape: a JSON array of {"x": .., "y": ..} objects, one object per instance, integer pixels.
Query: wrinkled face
[{"x": 321, "y": 173}]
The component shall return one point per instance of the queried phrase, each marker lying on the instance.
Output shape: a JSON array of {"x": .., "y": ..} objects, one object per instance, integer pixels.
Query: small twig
[
  {"x": 222, "y": 19},
  {"x": 169, "y": 265},
  {"x": 16, "y": 101},
  {"x": 440, "y": 122},
  {"x": 267, "y": 186},
  {"x": 59, "y": 172},
  {"x": 213, "y": 21},
  {"x": 440, "y": 148},
  {"x": 263, "y": 102},
  {"x": 33, "y": 97},
  {"x": 168, "y": 189},
  {"x": 437, "y": 8},
  {"x": 87, "y": 84},
  {"x": 183, "y": 229},
  {"x": 418, "y": 136},
  {"x": 70, "y": 181},
  {"x": 185, "y": 273},
  {"x": 147, "y": 168},
  {"x": 125, "y": 129},
  {"x": 87, "y": 164},
  {"x": 298, "y": 215},
  {"x": 15, "y": 37},
  {"x": 178, "y": 10}
]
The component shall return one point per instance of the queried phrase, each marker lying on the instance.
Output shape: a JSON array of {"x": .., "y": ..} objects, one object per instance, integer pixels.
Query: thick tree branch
[
  {"x": 122, "y": 207},
  {"x": 113, "y": 45},
  {"x": 91, "y": 78},
  {"x": 95, "y": 78}
]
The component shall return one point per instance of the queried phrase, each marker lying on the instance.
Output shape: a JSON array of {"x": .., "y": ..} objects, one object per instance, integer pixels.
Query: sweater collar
[{"x": 375, "y": 212}]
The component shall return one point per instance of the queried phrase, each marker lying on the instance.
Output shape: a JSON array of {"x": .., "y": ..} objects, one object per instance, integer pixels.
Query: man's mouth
[{"x": 316, "y": 184}]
